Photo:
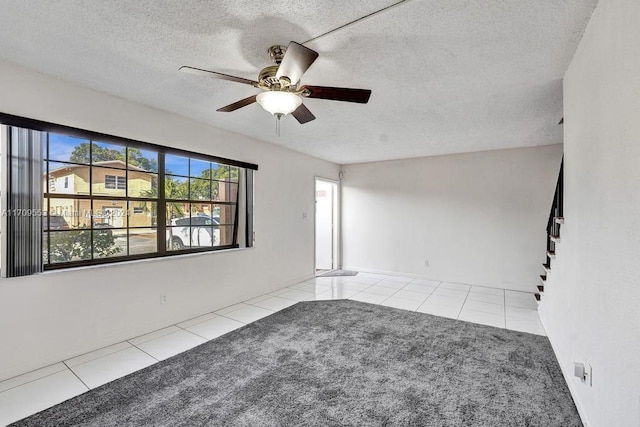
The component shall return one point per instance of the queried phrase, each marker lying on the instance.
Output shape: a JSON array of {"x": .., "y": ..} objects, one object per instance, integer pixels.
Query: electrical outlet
[
  {"x": 584, "y": 372},
  {"x": 163, "y": 299}
]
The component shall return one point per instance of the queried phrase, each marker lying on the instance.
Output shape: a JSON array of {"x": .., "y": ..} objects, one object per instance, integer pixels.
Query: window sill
[{"x": 143, "y": 260}]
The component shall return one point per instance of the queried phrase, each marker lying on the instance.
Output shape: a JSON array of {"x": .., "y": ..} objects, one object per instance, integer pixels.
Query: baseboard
[
  {"x": 302, "y": 278},
  {"x": 387, "y": 272},
  {"x": 568, "y": 376},
  {"x": 423, "y": 276},
  {"x": 278, "y": 286}
]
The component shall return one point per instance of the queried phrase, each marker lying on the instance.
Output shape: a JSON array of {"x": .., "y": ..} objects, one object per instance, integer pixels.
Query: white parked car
[{"x": 195, "y": 231}]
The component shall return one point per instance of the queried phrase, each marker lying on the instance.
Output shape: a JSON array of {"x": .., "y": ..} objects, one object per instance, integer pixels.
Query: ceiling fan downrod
[{"x": 278, "y": 117}]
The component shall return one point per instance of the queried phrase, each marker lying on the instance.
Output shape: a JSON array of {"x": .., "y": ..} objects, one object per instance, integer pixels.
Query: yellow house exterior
[{"x": 108, "y": 178}]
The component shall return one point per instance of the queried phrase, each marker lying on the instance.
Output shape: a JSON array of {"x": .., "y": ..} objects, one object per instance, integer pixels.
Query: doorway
[{"x": 326, "y": 225}]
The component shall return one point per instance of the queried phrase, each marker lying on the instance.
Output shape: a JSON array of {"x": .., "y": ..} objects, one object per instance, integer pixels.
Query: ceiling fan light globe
[{"x": 277, "y": 102}]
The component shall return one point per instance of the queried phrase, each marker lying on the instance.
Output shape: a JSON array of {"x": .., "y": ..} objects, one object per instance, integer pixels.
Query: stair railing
[{"x": 556, "y": 218}]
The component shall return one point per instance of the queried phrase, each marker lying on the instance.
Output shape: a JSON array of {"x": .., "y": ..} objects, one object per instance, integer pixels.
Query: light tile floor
[{"x": 40, "y": 389}]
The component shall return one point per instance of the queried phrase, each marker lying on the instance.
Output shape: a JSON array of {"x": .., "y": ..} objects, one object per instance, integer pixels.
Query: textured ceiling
[{"x": 447, "y": 76}]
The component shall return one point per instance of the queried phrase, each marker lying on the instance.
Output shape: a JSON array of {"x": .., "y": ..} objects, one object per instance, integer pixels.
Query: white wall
[
  {"x": 478, "y": 218},
  {"x": 53, "y": 316},
  {"x": 591, "y": 307}
]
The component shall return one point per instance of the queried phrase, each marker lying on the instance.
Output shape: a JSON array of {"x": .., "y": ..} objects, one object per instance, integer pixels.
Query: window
[
  {"x": 201, "y": 202},
  {"x": 107, "y": 199},
  {"x": 106, "y": 218},
  {"x": 113, "y": 182}
]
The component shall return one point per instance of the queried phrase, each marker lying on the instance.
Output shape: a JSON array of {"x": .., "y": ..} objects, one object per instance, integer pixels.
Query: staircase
[{"x": 556, "y": 219}]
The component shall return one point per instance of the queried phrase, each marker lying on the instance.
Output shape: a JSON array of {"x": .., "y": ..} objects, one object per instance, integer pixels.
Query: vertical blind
[
  {"x": 24, "y": 201},
  {"x": 249, "y": 206}
]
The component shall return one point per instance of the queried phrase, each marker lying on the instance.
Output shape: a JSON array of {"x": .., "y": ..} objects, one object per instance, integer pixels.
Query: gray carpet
[
  {"x": 339, "y": 273},
  {"x": 339, "y": 363}
]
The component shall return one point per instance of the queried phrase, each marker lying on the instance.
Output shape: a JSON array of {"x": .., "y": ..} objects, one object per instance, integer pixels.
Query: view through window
[
  {"x": 201, "y": 202},
  {"x": 101, "y": 200},
  {"x": 104, "y": 200}
]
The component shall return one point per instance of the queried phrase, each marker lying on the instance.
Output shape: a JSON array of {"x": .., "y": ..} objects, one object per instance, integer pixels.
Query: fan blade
[
  {"x": 215, "y": 75},
  {"x": 337, "y": 93},
  {"x": 236, "y": 105},
  {"x": 303, "y": 115},
  {"x": 297, "y": 59}
]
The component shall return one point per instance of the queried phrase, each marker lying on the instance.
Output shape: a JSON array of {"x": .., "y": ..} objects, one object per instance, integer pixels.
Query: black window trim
[
  {"x": 43, "y": 126},
  {"x": 24, "y": 122}
]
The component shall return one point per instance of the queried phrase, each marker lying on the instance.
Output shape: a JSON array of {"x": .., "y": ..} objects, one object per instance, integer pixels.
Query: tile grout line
[
  {"x": 76, "y": 375},
  {"x": 153, "y": 332},
  {"x": 280, "y": 296},
  {"x": 222, "y": 315},
  {"x": 98, "y": 349},
  {"x": 206, "y": 314},
  {"x": 102, "y": 348},
  {"x": 504, "y": 297},
  {"x": 397, "y": 290},
  {"x": 403, "y": 289},
  {"x": 35, "y": 379},
  {"x": 105, "y": 355},
  {"x": 463, "y": 303},
  {"x": 191, "y": 332},
  {"x": 135, "y": 346},
  {"x": 369, "y": 287},
  {"x": 427, "y": 298}
]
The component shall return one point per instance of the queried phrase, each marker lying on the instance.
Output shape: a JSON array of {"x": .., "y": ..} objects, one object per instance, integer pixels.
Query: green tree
[
  {"x": 137, "y": 158},
  {"x": 80, "y": 154},
  {"x": 200, "y": 189},
  {"x": 172, "y": 190},
  {"x": 76, "y": 245},
  {"x": 226, "y": 173}
]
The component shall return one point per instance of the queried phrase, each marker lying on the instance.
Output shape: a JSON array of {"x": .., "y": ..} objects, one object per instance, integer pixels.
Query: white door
[
  {"x": 111, "y": 215},
  {"x": 326, "y": 224}
]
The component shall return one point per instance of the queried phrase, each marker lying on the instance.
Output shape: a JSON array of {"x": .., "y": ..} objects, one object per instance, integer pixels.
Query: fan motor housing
[
  {"x": 268, "y": 79},
  {"x": 267, "y": 76}
]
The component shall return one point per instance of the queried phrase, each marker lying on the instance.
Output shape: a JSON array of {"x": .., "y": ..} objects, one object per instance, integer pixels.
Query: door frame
[{"x": 337, "y": 224}]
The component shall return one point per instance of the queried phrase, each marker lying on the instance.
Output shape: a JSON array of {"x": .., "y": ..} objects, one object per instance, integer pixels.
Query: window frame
[{"x": 161, "y": 200}]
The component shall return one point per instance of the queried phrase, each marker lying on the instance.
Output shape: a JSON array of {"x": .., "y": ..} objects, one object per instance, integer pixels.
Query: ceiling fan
[{"x": 281, "y": 93}]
